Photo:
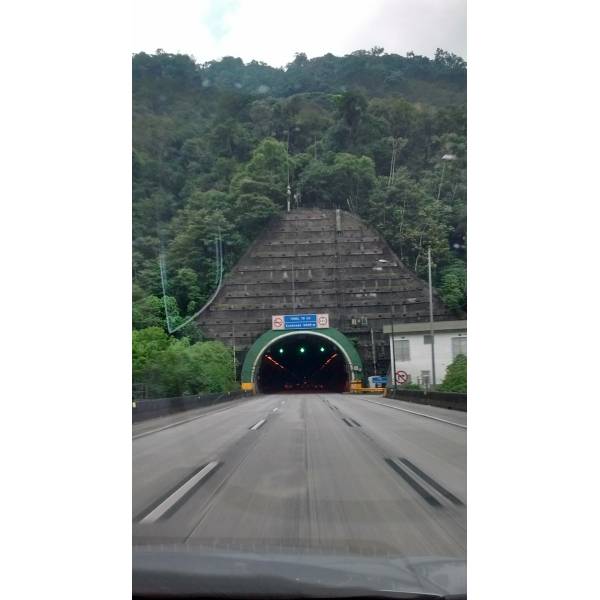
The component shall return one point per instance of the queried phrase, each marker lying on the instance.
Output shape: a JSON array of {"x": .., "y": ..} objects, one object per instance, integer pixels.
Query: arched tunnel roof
[{"x": 269, "y": 337}]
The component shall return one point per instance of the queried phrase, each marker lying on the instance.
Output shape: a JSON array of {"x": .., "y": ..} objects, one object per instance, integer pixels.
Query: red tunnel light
[{"x": 328, "y": 361}]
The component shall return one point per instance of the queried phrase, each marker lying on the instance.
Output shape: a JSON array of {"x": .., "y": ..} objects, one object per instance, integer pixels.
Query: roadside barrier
[
  {"x": 158, "y": 407},
  {"x": 451, "y": 400}
]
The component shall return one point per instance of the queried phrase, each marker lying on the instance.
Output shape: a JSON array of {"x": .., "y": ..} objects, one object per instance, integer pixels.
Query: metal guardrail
[
  {"x": 158, "y": 407},
  {"x": 450, "y": 400}
]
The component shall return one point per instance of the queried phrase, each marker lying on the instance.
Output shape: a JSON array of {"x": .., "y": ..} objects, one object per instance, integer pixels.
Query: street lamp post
[
  {"x": 431, "y": 334},
  {"x": 379, "y": 264},
  {"x": 446, "y": 158}
]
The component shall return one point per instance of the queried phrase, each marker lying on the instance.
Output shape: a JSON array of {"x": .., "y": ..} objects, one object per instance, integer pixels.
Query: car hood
[{"x": 165, "y": 571}]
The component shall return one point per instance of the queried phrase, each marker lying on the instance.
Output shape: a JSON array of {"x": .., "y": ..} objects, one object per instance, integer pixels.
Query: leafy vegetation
[
  {"x": 215, "y": 145},
  {"x": 456, "y": 376},
  {"x": 411, "y": 386},
  {"x": 167, "y": 367}
]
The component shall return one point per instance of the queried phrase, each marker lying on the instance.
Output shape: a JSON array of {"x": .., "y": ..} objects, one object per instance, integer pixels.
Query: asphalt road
[{"x": 305, "y": 472}]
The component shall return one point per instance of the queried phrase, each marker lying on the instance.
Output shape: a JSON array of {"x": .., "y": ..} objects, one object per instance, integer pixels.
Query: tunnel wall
[{"x": 307, "y": 261}]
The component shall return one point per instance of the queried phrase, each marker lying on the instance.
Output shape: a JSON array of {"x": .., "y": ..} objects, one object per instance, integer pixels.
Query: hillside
[{"x": 365, "y": 132}]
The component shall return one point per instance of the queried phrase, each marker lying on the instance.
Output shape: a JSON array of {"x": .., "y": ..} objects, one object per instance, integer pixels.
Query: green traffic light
[
  {"x": 302, "y": 349},
  {"x": 280, "y": 350},
  {"x": 322, "y": 348}
]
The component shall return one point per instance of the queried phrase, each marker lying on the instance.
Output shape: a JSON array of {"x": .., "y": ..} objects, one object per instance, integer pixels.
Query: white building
[{"x": 412, "y": 348}]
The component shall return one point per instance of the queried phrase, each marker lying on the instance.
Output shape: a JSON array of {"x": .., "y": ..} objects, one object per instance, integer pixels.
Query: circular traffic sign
[
  {"x": 401, "y": 376},
  {"x": 277, "y": 321},
  {"x": 322, "y": 320}
]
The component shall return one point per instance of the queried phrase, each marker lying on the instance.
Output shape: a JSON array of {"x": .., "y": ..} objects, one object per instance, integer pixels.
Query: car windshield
[{"x": 299, "y": 334}]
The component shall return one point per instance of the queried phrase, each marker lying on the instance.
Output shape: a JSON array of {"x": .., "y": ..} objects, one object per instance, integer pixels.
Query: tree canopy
[{"x": 215, "y": 144}]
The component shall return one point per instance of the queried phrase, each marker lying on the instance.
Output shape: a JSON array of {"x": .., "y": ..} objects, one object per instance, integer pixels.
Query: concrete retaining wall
[
  {"x": 442, "y": 399},
  {"x": 158, "y": 407}
]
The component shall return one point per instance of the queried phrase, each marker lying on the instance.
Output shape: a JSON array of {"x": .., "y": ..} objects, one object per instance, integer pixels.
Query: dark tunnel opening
[{"x": 301, "y": 363}]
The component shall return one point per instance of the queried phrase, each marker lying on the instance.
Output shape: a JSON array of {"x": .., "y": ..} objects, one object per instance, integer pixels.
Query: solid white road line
[
  {"x": 204, "y": 414},
  {"x": 145, "y": 433},
  {"x": 164, "y": 506},
  {"x": 257, "y": 425},
  {"x": 412, "y": 412},
  {"x": 275, "y": 409}
]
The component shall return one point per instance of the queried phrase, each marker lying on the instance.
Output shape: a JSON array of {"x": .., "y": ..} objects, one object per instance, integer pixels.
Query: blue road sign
[
  {"x": 311, "y": 321},
  {"x": 300, "y": 321}
]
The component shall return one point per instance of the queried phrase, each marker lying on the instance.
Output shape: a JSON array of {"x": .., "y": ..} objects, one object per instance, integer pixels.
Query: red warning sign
[
  {"x": 401, "y": 377},
  {"x": 323, "y": 320}
]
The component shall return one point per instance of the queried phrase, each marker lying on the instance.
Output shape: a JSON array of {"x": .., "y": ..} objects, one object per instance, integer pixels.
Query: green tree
[
  {"x": 260, "y": 188},
  {"x": 184, "y": 286},
  {"x": 150, "y": 312},
  {"x": 456, "y": 376},
  {"x": 212, "y": 367},
  {"x": 352, "y": 106},
  {"x": 170, "y": 367},
  {"x": 453, "y": 285},
  {"x": 411, "y": 220},
  {"x": 343, "y": 181},
  {"x": 209, "y": 155},
  {"x": 147, "y": 345}
]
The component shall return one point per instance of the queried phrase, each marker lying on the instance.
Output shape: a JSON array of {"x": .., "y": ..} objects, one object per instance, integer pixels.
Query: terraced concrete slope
[{"x": 320, "y": 261}]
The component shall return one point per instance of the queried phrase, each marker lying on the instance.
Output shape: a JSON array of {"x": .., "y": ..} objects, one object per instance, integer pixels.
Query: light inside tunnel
[{"x": 303, "y": 363}]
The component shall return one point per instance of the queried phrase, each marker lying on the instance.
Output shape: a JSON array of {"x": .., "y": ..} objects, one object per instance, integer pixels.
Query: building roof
[{"x": 424, "y": 327}]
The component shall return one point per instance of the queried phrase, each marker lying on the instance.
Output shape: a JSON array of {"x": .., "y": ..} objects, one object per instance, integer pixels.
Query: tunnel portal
[{"x": 302, "y": 363}]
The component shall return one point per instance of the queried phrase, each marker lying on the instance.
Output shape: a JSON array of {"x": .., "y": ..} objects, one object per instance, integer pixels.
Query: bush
[
  {"x": 169, "y": 367},
  {"x": 410, "y": 386},
  {"x": 456, "y": 376}
]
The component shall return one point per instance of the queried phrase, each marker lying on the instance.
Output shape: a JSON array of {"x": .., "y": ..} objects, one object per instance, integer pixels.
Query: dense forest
[{"x": 216, "y": 144}]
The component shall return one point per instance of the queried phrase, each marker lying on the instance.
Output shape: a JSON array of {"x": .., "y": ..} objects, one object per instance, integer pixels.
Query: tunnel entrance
[{"x": 302, "y": 363}]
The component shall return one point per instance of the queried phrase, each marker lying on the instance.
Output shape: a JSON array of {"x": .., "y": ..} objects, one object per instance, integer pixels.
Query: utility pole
[
  {"x": 392, "y": 163},
  {"x": 233, "y": 340},
  {"x": 287, "y": 154},
  {"x": 393, "y": 352},
  {"x": 293, "y": 289},
  {"x": 431, "y": 319},
  {"x": 373, "y": 352}
]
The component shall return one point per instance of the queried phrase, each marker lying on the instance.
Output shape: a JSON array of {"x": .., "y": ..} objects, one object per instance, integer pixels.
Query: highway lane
[
  {"x": 316, "y": 472},
  {"x": 163, "y": 458}
]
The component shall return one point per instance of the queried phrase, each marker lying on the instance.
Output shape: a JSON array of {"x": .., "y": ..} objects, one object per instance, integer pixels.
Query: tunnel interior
[{"x": 301, "y": 363}]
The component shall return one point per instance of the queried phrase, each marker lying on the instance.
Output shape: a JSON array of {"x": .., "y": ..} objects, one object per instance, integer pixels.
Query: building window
[
  {"x": 459, "y": 346},
  {"x": 402, "y": 350}
]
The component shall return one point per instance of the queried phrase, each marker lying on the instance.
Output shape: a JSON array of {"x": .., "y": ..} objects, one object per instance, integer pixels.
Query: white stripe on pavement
[
  {"x": 275, "y": 409},
  {"x": 164, "y": 506},
  {"x": 257, "y": 425},
  {"x": 412, "y": 412}
]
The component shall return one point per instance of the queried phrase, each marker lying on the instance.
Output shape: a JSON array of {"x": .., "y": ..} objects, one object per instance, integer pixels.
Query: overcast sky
[{"x": 273, "y": 30}]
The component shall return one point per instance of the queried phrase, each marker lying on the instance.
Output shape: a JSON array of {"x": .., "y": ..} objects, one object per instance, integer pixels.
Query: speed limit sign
[{"x": 401, "y": 376}]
